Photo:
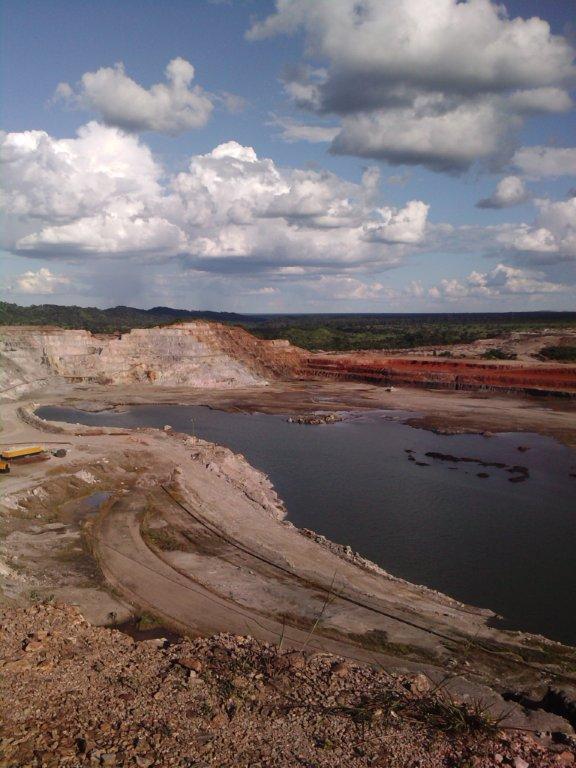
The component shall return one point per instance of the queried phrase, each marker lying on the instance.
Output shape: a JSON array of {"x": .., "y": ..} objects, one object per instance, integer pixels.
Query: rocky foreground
[{"x": 72, "y": 694}]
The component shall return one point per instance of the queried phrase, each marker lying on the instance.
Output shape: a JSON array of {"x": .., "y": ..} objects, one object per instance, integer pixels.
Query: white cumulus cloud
[
  {"x": 509, "y": 191},
  {"x": 406, "y": 225},
  {"x": 172, "y": 107},
  {"x": 102, "y": 194},
  {"x": 420, "y": 42},
  {"x": 43, "y": 281},
  {"x": 428, "y": 132},
  {"x": 441, "y": 83},
  {"x": 538, "y": 162},
  {"x": 551, "y": 238},
  {"x": 501, "y": 281},
  {"x": 541, "y": 100},
  {"x": 346, "y": 288},
  {"x": 292, "y": 130},
  {"x": 110, "y": 233},
  {"x": 66, "y": 179}
]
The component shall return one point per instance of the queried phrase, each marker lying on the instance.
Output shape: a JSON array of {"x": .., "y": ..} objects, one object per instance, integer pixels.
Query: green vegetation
[
  {"x": 147, "y": 621},
  {"x": 350, "y": 332},
  {"x": 561, "y": 354},
  {"x": 115, "y": 319},
  {"x": 499, "y": 354},
  {"x": 164, "y": 538},
  {"x": 40, "y": 597},
  {"x": 377, "y": 640},
  {"x": 436, "y": 710},
  {"x": 331, "y": 332}
]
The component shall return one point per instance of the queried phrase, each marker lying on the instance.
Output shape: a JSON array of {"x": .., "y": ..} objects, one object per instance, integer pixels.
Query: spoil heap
[{"x": 72, "y": 694}]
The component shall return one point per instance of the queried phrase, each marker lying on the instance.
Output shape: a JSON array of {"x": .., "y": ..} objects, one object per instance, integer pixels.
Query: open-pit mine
[{"x": 139, "y": 524}]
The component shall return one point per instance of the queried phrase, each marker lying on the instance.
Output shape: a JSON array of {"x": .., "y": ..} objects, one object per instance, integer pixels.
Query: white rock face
[{"x": 196, "y": 354}]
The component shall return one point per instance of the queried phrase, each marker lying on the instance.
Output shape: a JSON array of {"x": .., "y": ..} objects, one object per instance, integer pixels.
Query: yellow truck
[
  {"x": 21, "y": 453},
  {"x": 4, "y": 467}
]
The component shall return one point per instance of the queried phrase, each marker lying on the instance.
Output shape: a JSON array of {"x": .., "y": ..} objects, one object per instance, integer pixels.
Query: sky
[{"x": 289, "y": 156}]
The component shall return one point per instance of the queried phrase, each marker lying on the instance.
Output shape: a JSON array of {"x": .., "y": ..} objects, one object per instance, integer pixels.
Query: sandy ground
[{"x": 192, "y": 534}]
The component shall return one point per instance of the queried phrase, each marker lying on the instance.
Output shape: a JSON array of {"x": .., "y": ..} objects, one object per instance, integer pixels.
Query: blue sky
[{"x": 477, "y": 106}]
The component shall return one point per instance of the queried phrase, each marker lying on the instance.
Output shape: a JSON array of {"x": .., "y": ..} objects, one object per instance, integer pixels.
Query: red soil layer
[
  {"x": 275, "y": 357},
  {"x": 451, "y": 374}
]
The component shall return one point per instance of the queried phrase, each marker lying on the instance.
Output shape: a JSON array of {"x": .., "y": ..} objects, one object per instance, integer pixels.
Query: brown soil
[
  {"x": 190, "y": 533},
  {"x": 225, "y": 561},
  {"x": 149, "y": 521},
  {"x": 513, "y": 376},
  {"x": 73, "y": 695}
]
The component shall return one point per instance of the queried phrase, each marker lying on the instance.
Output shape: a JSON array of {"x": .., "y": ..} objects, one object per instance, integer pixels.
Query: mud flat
[{"x": 190, "y": 533}]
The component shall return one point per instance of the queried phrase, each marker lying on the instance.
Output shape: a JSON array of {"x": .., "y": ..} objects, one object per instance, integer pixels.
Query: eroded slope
[{"x": 196, "y": 354}]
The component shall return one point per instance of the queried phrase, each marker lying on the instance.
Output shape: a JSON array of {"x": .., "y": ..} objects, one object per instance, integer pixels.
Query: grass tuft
[
  {"x": 436, "y": 710},
  {"x": 162, "y": 538}
]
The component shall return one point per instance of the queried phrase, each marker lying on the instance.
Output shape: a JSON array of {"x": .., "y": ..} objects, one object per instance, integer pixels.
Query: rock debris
[{"x": 72, "y": 694}]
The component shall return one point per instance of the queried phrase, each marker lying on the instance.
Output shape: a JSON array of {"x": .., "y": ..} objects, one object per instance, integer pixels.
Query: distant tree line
[
  {"x": 331, "y": 332},
  {"x": 96, "y": 320}
]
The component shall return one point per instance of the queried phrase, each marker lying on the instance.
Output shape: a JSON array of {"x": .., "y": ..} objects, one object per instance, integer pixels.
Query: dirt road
[{"x": 186, "y": 604}]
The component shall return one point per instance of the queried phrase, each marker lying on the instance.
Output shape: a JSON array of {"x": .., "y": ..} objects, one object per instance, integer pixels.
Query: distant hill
[
  {"x": 105, "y": 320},
  {"x": 312, "y": 331}
]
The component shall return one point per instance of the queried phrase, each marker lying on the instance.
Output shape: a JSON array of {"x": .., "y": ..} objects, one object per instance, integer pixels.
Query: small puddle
[
  {"x": 79, "y": 510},
  {"x": 133, "y": 629}
]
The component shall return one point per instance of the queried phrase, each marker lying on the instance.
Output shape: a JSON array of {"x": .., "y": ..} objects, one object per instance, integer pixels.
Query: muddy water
[{"x": 501, "y": 537}]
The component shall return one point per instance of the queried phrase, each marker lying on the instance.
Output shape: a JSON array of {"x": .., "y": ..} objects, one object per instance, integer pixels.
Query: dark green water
[{"x": 509, "y": 546}]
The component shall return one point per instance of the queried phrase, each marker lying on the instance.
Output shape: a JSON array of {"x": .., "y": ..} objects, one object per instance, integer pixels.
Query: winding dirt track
[
  {"x": 130, "y": 565},
  {"x": 150, "y": 582}
]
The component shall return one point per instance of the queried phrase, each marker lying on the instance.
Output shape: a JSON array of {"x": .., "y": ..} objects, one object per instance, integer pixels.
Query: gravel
[{"x": 72, "y": 694}]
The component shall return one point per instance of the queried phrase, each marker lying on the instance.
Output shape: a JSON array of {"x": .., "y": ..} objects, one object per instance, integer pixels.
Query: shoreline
[
  {"x": 410, "y": 418},
  {"x": 339, "y": 547},
  {"x": 404, "y": 626},
  {"x": 441, "y": 411},
  {"x": 279, "y": 512}
]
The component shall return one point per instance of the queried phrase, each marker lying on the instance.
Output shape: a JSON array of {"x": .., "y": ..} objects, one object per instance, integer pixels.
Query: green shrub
[
  {"x": 562, "y": 354},
  {"x": 499, "y": 354}
]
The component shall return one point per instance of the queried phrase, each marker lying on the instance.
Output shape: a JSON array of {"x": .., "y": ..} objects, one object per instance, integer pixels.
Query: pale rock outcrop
[{"x": 197, "y": 354}]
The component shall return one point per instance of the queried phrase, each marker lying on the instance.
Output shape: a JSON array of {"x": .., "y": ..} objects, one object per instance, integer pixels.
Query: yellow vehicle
[
  {"x": 20, "y": 453},
  {"x": 4, "y": 467}
]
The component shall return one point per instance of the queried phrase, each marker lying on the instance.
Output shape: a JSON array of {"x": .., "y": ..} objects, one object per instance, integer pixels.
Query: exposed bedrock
[
  {"x": 534, "y": 378},
  {"x": 205, "y": 355},
  {"x": 197, "y": 354}
]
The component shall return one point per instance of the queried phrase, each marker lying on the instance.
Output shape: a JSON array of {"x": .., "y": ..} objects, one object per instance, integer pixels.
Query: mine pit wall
[
  {"x": 212, "y": 355},
  {"x": 197, "y": 354},
  {"x": 454, "y": 375}
]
